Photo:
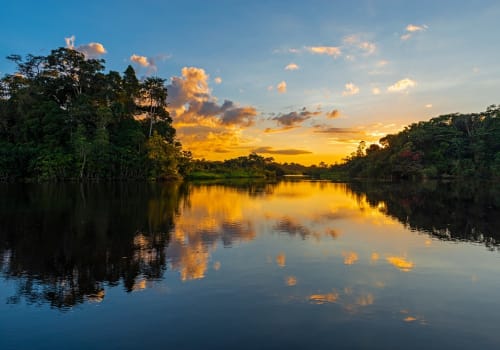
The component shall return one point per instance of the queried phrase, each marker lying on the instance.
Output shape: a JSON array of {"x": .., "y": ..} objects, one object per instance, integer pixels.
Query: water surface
[{"x": 294, "y": 264}]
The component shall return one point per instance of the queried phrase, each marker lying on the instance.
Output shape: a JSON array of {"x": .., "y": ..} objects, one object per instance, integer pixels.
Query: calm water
[{"x": 250, "y": 266}]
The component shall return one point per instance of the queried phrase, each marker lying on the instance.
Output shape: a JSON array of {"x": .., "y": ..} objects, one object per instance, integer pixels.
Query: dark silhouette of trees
[{"x": 63, "y": 117}]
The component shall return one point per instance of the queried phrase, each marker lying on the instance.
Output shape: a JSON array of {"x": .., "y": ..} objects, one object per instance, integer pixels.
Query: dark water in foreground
[{"x": 291, "y": 265}]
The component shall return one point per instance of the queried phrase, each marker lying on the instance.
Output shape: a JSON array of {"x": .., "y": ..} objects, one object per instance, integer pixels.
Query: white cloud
[
  {"x": 292, "y": 66},
  {"x": 368, "y": 47},
  {"x": 414, "y": 28},
  {"x": 70, "y": 42},
  {"x": 350, "y": 89},
  {"x": 333, "y": 51},
  {"x": 218, "y": 80},
  {"x": 355, "y": 41},
  {"x": 402, "y": 85},
  {"x": 406, "y": 36},
  {"x": 90, "y": 50},
  {"x": 429, "y": 105},
  {"x": 376, "y": 91},
  {"x": 411, "y": 29},
  {"x": 281, "y": 87}
]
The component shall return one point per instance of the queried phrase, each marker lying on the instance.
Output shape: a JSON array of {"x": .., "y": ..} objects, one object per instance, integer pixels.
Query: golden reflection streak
[
  {"x": 410, "y": 319},
  {"x": 291, "y": 281},
  {"x": 324, "y": 298},
  {"x": 97, "y": 297},
  {"x": 281, "y": 259},
  {"x": 400, "y": 263},
  {"x": 350, "y": 258}
]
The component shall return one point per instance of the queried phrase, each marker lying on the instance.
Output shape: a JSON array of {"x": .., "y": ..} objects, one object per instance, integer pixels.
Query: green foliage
[
  {"x": 251, "y": 166},
  {"x": 62, "y": 117},
  {"x": 454, "y": 145}
]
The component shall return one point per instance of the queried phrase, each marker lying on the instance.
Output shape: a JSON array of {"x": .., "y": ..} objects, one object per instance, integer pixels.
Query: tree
[{"x": 154, "y": 98}]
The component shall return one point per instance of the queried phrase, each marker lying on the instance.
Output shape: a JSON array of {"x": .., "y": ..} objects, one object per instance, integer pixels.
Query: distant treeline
[
  {"x": 61, "y": 117},
  {"x": 448, "y": 146}
]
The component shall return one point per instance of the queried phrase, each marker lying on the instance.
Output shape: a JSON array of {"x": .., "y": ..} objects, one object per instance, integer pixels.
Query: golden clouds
[
  {"x": 287, "y": 151},
  {"x": 204, "y": 125},
  {"x": 292, "y": 66},
  {"x": 191, "y": 102}
]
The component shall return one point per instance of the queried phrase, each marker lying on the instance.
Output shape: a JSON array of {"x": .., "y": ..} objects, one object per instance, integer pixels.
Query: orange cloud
[
  {"x": 281, "y": 87},
  {"x": 271, "y": 150},
  {"x": 191, "y": 102},
  {"x": 291, "y": 281},
  {"x": 333, "y": 114}
]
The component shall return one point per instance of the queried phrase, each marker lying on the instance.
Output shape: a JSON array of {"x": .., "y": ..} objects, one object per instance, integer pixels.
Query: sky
[{"x": 300, "y": 81}]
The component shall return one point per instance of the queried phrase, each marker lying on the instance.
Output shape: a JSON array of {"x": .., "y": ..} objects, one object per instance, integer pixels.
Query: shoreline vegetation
[{"x": 62, "y": 118}]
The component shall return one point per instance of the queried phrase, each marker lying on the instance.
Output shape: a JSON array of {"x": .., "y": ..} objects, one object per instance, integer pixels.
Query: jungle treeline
[
  {"x": 449, "y": 146},
  {"x": 62, "y": 117}
]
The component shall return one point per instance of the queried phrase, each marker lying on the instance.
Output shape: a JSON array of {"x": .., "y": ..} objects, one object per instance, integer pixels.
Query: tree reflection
[
  {"x": 63, "y": 243},
  {"x": 446, "y": 210}
]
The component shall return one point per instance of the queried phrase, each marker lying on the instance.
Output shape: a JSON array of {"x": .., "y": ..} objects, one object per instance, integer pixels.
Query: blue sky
[{"x": 438, "y": 57}]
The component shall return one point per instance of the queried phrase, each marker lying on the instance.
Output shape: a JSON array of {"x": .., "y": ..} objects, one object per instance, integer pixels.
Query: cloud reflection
[{"x": 400, "y": 263}]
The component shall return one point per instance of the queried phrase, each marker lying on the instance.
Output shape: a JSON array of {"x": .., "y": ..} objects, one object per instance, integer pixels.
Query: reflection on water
[
  {"x": 63, "y": 243},
  {"x": 343, "y": 253},
  {"x": 449, "y": 211}
]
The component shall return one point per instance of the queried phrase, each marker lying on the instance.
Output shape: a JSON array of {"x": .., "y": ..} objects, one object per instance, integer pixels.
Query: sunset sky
[{"x": 300, "y": 81}]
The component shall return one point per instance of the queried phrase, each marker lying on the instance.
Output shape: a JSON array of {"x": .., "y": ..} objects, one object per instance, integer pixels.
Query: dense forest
[
  {"x": 448, "y": 146},
  {"x": 62, "y": 117}
]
